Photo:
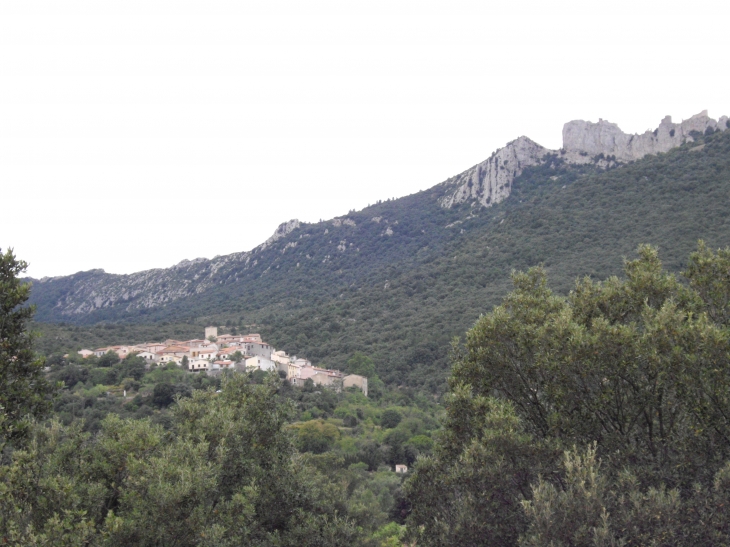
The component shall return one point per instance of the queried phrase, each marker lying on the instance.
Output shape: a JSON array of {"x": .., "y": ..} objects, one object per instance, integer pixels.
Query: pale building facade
[
  {"x": 198, "y": 365},
  {"x": 357, "y": 381},
  {"x": 255, "y": 362}
]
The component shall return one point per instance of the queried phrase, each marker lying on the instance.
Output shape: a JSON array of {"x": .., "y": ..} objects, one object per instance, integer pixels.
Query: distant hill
[{"x": 400, "y": 278}]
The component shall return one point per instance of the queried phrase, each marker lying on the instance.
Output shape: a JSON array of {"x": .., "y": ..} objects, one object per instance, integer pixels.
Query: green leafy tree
[
  {"x": 132, "y": 366},
  {"x": 594, "y": 508},
  {"x": 636, "y": 365},
  {"x": 316, "y": 436},
  {"x": 163, "y": 395},
  {"x": 390, "y": 418},
  {"x": 225, "y": 473},
  {"x": 109, "y": 359},
  {"x": 361, "y": 364},
  {"x": 24, "y": 391},
  {"x": 629, "y": 376},
  {"x": 470, "y": 491}
]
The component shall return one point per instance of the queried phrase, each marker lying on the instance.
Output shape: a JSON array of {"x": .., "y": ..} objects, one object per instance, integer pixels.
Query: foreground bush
[{"x": 226, "y": 474}]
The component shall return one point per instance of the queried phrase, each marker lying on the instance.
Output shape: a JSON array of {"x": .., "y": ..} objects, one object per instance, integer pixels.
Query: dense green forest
[
  {"x": 599, "y": 418},
  {"x": 401, "y": 298},
  {"x": 573, "y": 413}
]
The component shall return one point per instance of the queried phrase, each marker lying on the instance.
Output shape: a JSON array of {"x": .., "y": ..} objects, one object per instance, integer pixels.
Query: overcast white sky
[{"x": 135, "y": 134}]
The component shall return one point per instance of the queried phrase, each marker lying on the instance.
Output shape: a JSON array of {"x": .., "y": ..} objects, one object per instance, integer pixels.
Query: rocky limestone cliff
[
  {"x": 581, "y": 138},
  {"x": 87, "y": 292},
  {"x": 491, "y": 181},
  {"x": 583, "y": 142},
  {"x": 284, "y": 229},
  {"x": 101, "y": 296}
]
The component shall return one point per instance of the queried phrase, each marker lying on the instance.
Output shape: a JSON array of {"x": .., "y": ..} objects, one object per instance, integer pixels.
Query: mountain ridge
[
  {"x": 602, "y": 143},
  {"x": 98, "y": 296},
  {"x": 401, "y": 297}
]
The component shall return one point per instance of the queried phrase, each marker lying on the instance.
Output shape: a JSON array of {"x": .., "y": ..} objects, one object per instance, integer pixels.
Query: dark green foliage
[
  {"x": 371, "y": 455},
  {"x": 24, "y": 391},
  {"x": 592, "y": 510},
  {"x": 634, "y": 365},
  {"x": 163, "y": 395},
  {"x": 470, "y": 491},
  {"x": 630, "y": 377},
  {"x": 70, "y": 375},
  {"x": 361, "y": 364},
  {"x": 339, "y": 434},
  {"x": 390, "y": 418},
  {"x": 226, "y": 474},
  {"x": 109, "y": 359},
  {"x": 315, "y": 436},
  {"x": 574, "y": 220}
]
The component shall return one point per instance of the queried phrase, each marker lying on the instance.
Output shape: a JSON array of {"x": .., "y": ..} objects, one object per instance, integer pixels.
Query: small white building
[
  {"x": 146, "y": 355},
  {"x": 170, "y": 358},
  {"x": 357, "y": 381},
  {"x": 261, "y": 363},
  {"x": 198, "y": 365},
  {"x": 204, "y": 353},
  {"x": 85, "y": 353},
  {"x": 401, "y": 468},
  {"x": 101, "y": 351},
  {"x": 152, "y": 347}
]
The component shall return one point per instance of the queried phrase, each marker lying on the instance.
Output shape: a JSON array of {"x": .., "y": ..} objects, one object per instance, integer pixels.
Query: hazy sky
[{"x": 137, "y": 134}]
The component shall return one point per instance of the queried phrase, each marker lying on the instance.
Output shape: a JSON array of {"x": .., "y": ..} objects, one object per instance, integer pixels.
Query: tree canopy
[
  {"x": 225, "y": 474},
  {"x": 24, "y": 390},
  {"x": 630, "y": 376}
]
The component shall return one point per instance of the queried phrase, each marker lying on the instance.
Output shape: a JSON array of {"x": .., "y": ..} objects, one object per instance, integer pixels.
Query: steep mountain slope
[
  {"x": 602, "y": 144},
  {"x": 401, "y": 297},
  {"x": 350, "y": 248},
  {"x": 574, "y": 225}
]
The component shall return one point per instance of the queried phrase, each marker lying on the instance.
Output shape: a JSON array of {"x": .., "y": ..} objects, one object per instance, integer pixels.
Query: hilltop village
[{"x": 215, "y": 353}]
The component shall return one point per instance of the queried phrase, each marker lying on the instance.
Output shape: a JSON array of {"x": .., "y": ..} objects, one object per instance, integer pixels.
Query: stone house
[
  {"x": 356, "y": 380},
  {"x": 144, "y": 354},
  {"x": 261, "y": 363},
  {"x": 259, "y": 349},
  {"x": 225, "y": 353},
  {"x": 152, "y": 347},
  {"x": 198, "y": 365},
  {"x": 329, "y": 378},
  {"x": 170, "y": 359},
  {"x": 203, "y": 353},
  {"x": 176, "y": 351}
]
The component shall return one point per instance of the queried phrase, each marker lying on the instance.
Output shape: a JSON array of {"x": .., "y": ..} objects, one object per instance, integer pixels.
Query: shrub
[{"x": 390, "y": 418}]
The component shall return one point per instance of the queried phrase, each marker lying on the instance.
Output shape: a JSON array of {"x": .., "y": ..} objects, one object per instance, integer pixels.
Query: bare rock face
[
  {"x": 285, "y": 228},
  {"x": 583, "y": 142},
  {"x": 582, "y": 138},
  {"x": 491, "y": 181}
]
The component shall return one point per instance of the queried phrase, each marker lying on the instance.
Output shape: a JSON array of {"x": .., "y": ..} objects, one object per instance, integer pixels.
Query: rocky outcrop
[
  {"x": 101, "y": 296},
  {"x": 602, "y": 143},
  {"x": 581, "y": 139},
  {"x": 87, "y": 292},
  {"x": 491, "y": 181},
  {"x": 284, "y": 229}
]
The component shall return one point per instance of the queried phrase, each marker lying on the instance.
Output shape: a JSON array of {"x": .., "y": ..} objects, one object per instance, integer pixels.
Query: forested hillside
[{"x": 399, "y": 279}]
